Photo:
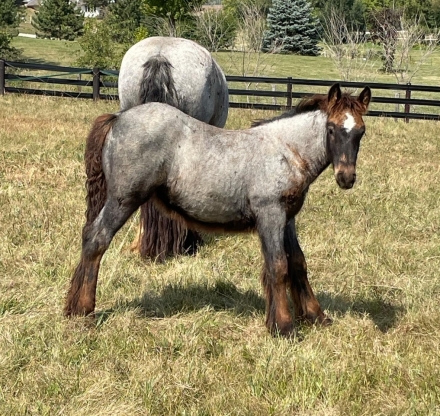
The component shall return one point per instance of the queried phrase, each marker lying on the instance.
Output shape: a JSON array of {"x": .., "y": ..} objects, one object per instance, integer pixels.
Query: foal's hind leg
[
  {"x": 274, "y": 278},
  {"x": 96, "y": 238},
  {"x": 307, "y": 307}
]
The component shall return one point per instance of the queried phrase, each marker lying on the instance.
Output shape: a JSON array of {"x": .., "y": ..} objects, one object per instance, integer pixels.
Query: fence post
[
  {"x": 407, "y": 106},
  {"x": 96, "y": 82},
  {"x": 274, "y": 99},
  {"x": 289, "y": 92},
  {"x": 2, "y": 77},
  {"x": 397, "y": 109}
]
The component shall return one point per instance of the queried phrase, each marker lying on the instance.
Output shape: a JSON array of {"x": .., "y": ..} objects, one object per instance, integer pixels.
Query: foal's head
[{"x": 345, "y": 129}]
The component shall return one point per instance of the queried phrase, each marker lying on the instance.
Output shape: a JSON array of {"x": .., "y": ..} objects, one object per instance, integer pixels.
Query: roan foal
[{"x": 214, "y": 179}]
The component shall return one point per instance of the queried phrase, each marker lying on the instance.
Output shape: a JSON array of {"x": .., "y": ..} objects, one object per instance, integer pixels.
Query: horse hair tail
[
  {"x": 95, "y": 184},
  {"x": 157, "y": 84}
]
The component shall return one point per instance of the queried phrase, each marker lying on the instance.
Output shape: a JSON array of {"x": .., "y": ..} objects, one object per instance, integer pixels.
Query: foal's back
[
  {"x": 205, "y": 169},
  {"x": 159, "y": 134}
]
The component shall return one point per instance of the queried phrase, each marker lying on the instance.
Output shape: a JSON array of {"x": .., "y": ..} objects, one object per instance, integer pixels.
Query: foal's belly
[{"x": 228, "y": 210}]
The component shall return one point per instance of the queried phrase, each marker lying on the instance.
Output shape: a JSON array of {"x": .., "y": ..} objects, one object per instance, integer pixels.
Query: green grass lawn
[{"x": 46, "y": 51}]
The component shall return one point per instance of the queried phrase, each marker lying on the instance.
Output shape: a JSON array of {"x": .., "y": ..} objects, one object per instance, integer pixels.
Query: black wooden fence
[{"x": 102, "y": 84}]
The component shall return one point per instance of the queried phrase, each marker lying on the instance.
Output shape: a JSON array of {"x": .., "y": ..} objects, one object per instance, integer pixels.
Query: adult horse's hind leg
[
  {"x": 306, "y": 305},
  {"x": 96, "y": 238},
  {"x": 274, "y": 278}
]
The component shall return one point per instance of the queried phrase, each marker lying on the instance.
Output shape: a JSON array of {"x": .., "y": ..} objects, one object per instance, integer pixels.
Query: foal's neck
[{"x": 306, "y": 133}]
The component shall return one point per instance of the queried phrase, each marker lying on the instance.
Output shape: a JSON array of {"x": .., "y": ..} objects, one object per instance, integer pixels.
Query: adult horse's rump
[
  {"x": 177, "y": 71},
  {"x": 211, "y": 178},
  {"x": 183, "y": 74}
]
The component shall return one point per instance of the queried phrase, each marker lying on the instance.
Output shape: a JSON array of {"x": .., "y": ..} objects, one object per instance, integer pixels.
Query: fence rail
[{"x": 102, "y": 84}]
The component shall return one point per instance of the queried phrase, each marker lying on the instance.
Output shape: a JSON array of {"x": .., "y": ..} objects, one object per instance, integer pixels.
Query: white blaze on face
[{"x": 349, "y": 122}]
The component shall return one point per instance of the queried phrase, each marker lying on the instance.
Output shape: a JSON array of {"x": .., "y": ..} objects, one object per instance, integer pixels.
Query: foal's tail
[
  {"x": 157, "y": 83},
  {"x": 95, "y": 184}
]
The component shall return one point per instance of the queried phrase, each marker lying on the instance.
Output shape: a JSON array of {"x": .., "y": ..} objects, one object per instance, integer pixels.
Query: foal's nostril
[{"x": 345, "y": 180}]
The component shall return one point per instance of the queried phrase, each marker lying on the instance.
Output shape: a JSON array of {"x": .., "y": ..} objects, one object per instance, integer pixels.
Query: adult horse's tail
[
  {"x": 157, "y": 83},
  {"x": 160, "y": 236},
  {"x": 95, "y": 184}
]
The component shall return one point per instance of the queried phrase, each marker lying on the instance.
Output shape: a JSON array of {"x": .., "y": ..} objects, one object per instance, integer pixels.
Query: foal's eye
[{"x": 331, "y": 130}]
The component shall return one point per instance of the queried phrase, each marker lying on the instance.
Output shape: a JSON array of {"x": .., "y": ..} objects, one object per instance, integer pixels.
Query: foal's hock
[{"x": 214, "y": 179}]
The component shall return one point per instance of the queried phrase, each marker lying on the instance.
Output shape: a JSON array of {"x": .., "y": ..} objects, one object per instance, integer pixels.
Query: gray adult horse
[
  {"x": 183, "y": 74},
  {"x": 211, "y": 179}
]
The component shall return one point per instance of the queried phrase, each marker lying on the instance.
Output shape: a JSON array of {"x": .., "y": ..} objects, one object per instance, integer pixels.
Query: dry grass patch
[{"x": 187, "y": 337}]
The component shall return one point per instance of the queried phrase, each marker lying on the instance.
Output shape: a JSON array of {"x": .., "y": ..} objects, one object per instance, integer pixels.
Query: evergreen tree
[
  {"x": 9, "y": 14},
  {"x": 8, "y": 52},
  {"x": 97, "y": 48},
  {"x": 124, "y": 18},
  {"x": 291, "y": 28},
  {"x": 174, "y": 10},
  {"x": 59, "y": 19}
]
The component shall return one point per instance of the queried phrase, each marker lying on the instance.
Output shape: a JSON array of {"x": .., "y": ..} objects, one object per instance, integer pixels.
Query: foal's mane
[{"x": 317, "y": 102}]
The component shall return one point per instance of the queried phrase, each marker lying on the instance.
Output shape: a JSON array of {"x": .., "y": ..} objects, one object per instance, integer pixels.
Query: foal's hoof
[
  {"x": 321, "y": 320},
  {"x": 71, "y": 311},
  {"x": 287, "y": 330},
  {"x": 325, "y": 321}
]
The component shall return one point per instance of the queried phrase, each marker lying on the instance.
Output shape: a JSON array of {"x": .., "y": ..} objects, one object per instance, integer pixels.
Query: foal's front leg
[
  {"x": 307, "y": 307},
  {"x": 275, "y": 273}
]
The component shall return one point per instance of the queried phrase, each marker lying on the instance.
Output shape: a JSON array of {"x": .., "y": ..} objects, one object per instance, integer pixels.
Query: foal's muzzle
[{"x": 345, "y": 177}]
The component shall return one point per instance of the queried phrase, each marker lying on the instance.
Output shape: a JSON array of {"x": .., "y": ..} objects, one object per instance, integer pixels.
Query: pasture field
[{"x": 187, "y": 337}]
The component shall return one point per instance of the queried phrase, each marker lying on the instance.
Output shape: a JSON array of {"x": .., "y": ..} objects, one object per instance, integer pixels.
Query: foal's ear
[
  {"x": 334, "y": 95},
  {"x": 365, "y": 97}
]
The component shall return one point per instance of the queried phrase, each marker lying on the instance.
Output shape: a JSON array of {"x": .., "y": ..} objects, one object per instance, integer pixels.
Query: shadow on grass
[
  {"x": 383, "y": 313},
  {"x": 29, "y": 60},
  {"x": 224, "y": 296}
]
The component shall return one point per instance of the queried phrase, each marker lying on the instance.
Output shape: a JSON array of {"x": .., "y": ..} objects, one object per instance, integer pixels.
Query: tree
[
  {"x": 97, "y": 49},
  {"x": 238, "y": 8},
  {"x": 214, "y": 29},
  {"x": 352, "y": 11},
  {"x": 346, "y": 47},
  {"x": 8, "y": 52},
  {"x": 386, "y": 24},
  {"x": 174, "y": 10},
  {"x": 357, "y": 11},
  {"x": 124, "y": 18},
  {"x": 59, "y": 19},
  {"x": 427, "y": 10},
  {"x": 411, "y": 51},
  {"x": 247, "y": 58},
  {"x": 10, "y": 14},
  {"x": 171, "y": 18},
  {"x": 291, "y": 27},
  {"x": 357, "y": 16},
  {"x": 96, "y": 3}
]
